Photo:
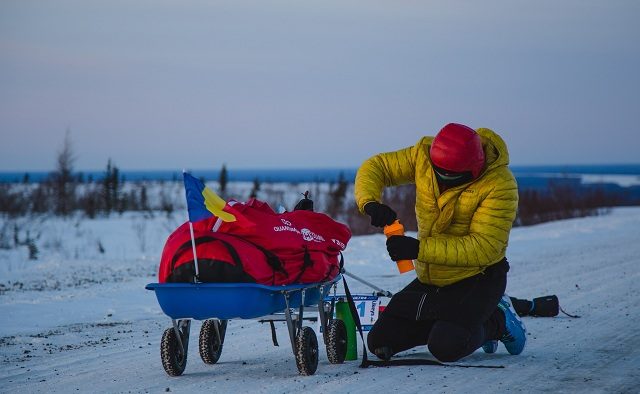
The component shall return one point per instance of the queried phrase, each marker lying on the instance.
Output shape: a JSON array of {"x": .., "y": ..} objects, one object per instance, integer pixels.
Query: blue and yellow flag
[{"x": 202, "y": 202}]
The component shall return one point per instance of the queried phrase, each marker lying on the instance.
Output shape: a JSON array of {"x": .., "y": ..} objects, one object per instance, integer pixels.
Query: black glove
[
  {"x": 381, "y": 215},
  {"x": 547, "y": 306},
  {"x": 401, "y": 247}
]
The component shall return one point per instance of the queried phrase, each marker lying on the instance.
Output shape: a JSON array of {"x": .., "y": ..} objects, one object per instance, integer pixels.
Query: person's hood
[{"x": 495, "y": 149}]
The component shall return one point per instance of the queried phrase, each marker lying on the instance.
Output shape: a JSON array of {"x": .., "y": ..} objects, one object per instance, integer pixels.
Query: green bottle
[{"x": 344, "y": 313}]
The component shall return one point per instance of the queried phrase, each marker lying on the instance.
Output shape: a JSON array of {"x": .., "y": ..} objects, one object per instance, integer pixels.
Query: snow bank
[{"x": 79, "y": 320}]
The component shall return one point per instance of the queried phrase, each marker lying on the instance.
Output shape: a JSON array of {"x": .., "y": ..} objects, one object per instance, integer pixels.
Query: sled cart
[{"x": 217, "y": 303}]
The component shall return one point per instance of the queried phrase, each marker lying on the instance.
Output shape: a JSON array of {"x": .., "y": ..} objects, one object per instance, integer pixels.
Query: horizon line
[{"x": 304, "y": 168}]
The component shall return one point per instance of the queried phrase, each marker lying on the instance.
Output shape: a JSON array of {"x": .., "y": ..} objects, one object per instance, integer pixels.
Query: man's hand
[
  {"x": 401, "y": 247},
  {"x": 381, "y": 215}
]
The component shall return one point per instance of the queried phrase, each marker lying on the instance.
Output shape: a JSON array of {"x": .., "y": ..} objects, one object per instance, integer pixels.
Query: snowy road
[{"x": 103, "y": 335}]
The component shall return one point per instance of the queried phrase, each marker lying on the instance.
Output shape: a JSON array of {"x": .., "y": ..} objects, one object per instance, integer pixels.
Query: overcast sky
[{"x": 172, "y": 84}]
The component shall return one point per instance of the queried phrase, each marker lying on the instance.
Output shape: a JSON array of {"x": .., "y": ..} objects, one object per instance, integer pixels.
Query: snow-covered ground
[{"x": 79, "y": 320}]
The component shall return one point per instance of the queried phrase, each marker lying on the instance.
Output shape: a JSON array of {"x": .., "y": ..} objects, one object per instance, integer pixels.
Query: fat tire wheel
[
  {"x": 210, "y": 344},
  {"x": 173, "y": 359},
  {"x": 307, "y": 351},
  {"x": 336, "y": 341}
]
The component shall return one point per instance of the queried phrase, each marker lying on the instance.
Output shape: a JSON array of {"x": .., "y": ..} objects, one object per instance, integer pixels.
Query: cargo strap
[
  {"x": 306, "y": 263},
  {"x": 356, "y": 319},
  {"x": 354, "y": 314},
  {"x": 272, "y": 259},
  {"x": 187, "y": 245},
  {"x": 274, "y": 338},
  {"x": 422, "y": 361}
]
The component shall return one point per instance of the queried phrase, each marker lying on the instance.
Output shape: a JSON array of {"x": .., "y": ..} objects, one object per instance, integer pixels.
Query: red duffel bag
[{"x": 261, "y": 246}]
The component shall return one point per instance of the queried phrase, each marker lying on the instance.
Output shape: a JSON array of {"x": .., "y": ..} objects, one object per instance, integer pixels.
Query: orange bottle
[{"x": 396, "y": 228}]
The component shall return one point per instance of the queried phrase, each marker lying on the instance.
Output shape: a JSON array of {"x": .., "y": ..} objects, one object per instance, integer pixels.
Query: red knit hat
[{"x": 458, "y": 148}]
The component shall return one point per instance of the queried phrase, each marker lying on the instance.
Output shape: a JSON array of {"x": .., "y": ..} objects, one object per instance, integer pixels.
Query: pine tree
[
  {"x": 338, "y": 195},
  {"x": 62, "y": 179},
  {"x": 111, "y": 188},
  {"x": 223, "y": 180},
  {"x": 144, "y": 199},
  {"x": 255, "y": 189}
]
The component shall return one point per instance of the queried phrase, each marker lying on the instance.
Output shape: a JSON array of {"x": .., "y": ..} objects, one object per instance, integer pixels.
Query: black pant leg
[
  {"x": 463, "y": 316},
  {"x": 469, "y": 302},
  {"x": 397, "y": 326},
  {"x": 397, "y": 334},
  {"x": 450, "y": 342}
]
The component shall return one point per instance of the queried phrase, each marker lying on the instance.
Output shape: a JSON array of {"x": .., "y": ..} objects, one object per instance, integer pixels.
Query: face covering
[{"x": 450, "y": 178}]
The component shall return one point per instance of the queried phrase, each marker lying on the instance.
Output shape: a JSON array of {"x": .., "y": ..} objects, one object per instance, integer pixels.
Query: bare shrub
[
  {"x": 100, "y": 247},
  {"x": 62, "y": 179},
  {"x": 12, "y": 202},
  {"x": 90, "y": 201},
  {"x": 166, "y": 203},
  {"x": 32, "y": 247},
  {"x": 561, "y": 201},
  {"x": 255, "y": 189},
  {"x": 337, "y": 196},
  {"x": 401, "y": 199},
  {"x": 273, "y": 196},
  {"x": 7, "y": 234},
  {"x": 24, "y": 233},
  {"x": 41, "y": 198},
  {"x": 140, "y": 230},
  {"x": 144, "y": 198},
  {"x": 111, "y": 187}
]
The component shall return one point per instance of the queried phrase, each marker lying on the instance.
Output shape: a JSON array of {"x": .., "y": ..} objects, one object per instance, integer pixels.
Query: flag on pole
[{"x": 202, "y": 202}]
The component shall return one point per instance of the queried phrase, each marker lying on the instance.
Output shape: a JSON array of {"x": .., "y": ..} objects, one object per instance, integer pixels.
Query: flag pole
[
  {"x": 193, "y": 240},
  {"x": 195, "y": 256}
]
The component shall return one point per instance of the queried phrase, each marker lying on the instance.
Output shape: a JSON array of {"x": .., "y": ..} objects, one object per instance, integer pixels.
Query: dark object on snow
[
  {"x": 546, "y": 306},
  {"x": 305, "y": 204}
]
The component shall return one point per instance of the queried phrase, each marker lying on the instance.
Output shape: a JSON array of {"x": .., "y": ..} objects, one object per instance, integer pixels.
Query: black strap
[
  {"x": 187, "y": 245},
  {"x": 573, "y": 316},
  {"x": 272, "y": 259},
  {"x": 307, "y": 262},
  {"x": 330, "y": 274},
  {"x": 423, "y": 361},
  {"x": 356, "y": 319},
  {"x": 178, "y": 253},
  {"x": 274, "y": 338}
]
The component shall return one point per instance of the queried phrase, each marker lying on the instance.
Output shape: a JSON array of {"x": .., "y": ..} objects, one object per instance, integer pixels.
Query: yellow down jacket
[{"x": 461, "y": 231}]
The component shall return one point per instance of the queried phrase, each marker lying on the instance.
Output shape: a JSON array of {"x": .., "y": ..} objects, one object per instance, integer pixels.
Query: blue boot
[
  {"x": 515, "y": 336},
  {"x": 490, "y": 346}
]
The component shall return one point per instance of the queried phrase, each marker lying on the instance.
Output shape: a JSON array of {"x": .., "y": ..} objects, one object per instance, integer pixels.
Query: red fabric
[
  {"x": 288, "y": 235},
  {"x": 178, "y": 251},
  {"x": 458, "y": 148}
]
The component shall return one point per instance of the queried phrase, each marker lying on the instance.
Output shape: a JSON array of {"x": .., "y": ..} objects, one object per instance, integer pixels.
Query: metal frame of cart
[{"x": 217, "y": 303}]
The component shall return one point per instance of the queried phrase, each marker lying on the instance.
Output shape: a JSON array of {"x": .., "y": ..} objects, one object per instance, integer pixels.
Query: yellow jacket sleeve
[
  {"x": 382, "y": 170},
  {"x": 488, "y": 235}
]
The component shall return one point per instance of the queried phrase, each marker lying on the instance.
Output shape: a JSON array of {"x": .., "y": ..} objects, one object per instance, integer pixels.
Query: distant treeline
[
  {"x": 558, "y": 201},
  {"x": 63, "y": 192},
  {"x": 63, "y": 195},
  {"x": 270, "y": 175}
]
